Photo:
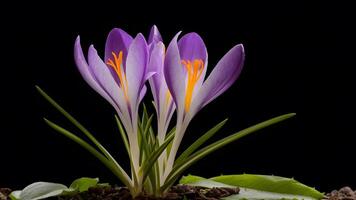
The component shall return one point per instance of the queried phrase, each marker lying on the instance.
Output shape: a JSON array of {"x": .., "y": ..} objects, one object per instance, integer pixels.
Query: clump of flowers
[{"x": 177, "y": 79}]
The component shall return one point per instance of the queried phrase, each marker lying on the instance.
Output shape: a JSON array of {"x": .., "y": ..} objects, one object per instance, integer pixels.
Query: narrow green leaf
[
  {"x": 153, "y": 138},
  {"x": 177, "y": 170},
  {"x": 147, "y": 147},
  {"x": 147, "y": 126},
  {"x": 200, "y": 141},
  {"x": 123, "y": 135},
  {"x": 76, "y": 123},
  {"x": 144, "y": 114},
  {"x": 144, "y": 146},
  {"x": 147, "y": 165},
  {"x": 83, "y": 129},
  {"x": 157, "y": 177},
  {"x": 170, "y": 134},
  {"x": 114, "y": 167},
  {"x": 152, "y": 173},
  {"x": 150, "y": 136}
]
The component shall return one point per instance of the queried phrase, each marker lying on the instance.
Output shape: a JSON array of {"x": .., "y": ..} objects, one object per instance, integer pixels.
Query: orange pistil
[
  {"x": 117, "y": 66},
  {"x": 194, "y": 70}
]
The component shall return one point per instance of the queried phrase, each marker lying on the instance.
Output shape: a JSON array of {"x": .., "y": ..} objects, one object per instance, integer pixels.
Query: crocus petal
[
  {"x": 118, "y": 40},
  {"x": 154, "y": 36},
  {"x": 170, "y": 113},
  {"x": 223, "y": 75},
  {"x": 142, "y": 94},
  {"x": 149, "y": 75},
  {"x": 156, "y": 65},
  {"x": 103, "y": 76},
  {"x": 84, "y": 70},
  {"x": 136, "y": 67},
  {"x": 107, "y": 82},
  {"x": 191, "y": 46},
  {"x": 174, "y": 73}
]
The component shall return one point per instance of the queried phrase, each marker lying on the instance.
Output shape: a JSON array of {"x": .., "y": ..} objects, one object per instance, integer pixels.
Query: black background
[{"x": 296, "y": 61}]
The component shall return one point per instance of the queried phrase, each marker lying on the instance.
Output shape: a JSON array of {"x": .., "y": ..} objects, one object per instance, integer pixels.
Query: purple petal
[
  {"x": 84, "y": 70},
  {"x": 223, "y": 75},
  {"x": 191, "y": 46},
  {"x": 156, "y": 65},
  {"x": 154, "y": 36},
  {"x": 154, "y": 91},
  {"x": 174, "y": 73},
  {"x": 136, "y": 67},
  {"x": 118, "y": 40},
  {"x": 149, "y": 75},
  {"x": 105, "y": 79},
  {"x": 142, "y": 94}
]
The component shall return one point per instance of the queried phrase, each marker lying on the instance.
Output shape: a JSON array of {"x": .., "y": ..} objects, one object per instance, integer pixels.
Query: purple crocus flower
[
  {"x": 163, "y": 101},
  {"x": 184, "y": 71},
  {"x": 119, "y": 78}
]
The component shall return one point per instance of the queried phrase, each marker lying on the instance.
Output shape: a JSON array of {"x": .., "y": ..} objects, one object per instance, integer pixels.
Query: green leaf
[
  {"x": 179, "y": 169},
  {"x": 123, "y": 135},
  {"x": 75, "y": 122},
  {"x": 258, "y": 187},
  {"x": 147, "y": 146},
  {"x": 43, "y": 190},
  {"x": 83, "y": 184},
  {"x": 114, "y": 167},
  {"x": 15, "y": 195},
  {"x": 151, "y": 136},
  {"x": 270, "y": 184},
  {"x": 38, "y": 190},
  {"x": 144, "y": 146},
  {"x": 147, "y": 165},
  {"x": 147, "y": 126},
  {"x": 200, "y": 141},
  {"x": 112, "y": 164},
  {"x": 170, "y": 134}
]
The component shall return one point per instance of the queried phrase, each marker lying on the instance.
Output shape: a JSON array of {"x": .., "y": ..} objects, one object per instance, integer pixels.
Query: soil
[
  {"x": 345, "y": 193},
  {"x": 179, "y": 192},
  {"x": 4, "y": 193}
]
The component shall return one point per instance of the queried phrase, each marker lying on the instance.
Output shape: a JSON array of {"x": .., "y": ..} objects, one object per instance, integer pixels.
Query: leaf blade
[
  {"x": 200, "y": 141},
  {"x": 114, "y": 167},
  {"x": 39, "y": 190},
  {"x": 123, "y": 135},
  {"x": 73, "y": 121},
  {"x": 177, "y": 170},
  {"x": 83, "y": 184},
  {"x": 257, "y": 187},
  {"x": 146, "y": 166},
  {"x": 270, "y": 184},
  {"x": 83, "y": 129}
]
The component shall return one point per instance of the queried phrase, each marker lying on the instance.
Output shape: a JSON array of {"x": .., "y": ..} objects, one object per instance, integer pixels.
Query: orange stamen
[
  {"x": 194, "y": 71},
  {"x": 117, "y": 66}
]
